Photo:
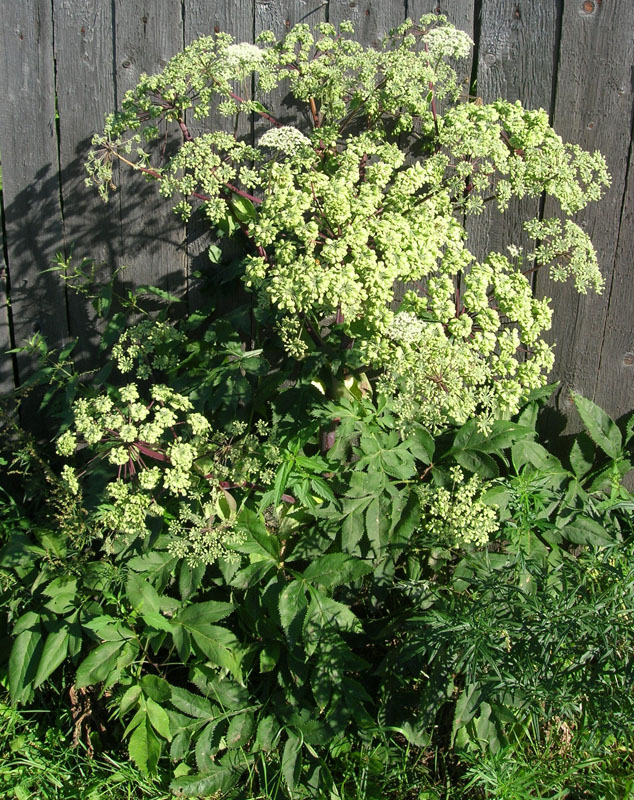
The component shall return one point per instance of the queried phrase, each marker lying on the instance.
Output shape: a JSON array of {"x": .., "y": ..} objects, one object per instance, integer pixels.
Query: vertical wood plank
[
  {"x": 85, "y": 94},
  {"x": 147, "y": 35},
  {"x": 517, "y": 52},
  {"x": 6, "y": 364},
  {"x": 594, "y": 109},
  {"x": 615, "y": 376},
  {"x": 614, "y": 388},
  {"x": 205, "y": 17},
  {"x": 372, "y": 19},
  {"x": 30, "y": 172}
]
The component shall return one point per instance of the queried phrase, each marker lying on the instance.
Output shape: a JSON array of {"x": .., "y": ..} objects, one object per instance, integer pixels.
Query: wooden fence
[{"x": 65, "y": 63}]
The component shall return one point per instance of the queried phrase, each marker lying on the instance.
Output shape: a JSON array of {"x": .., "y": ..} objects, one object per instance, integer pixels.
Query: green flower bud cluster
[
  {"x": 150, "y": 345},
  {"x": 569, "y": 251},
  {"x": 458, "y": 516},
  {"x": 479, "y": 361},
  {"x": 162, "y": 450},
  {"x": 203, "y": 535}
]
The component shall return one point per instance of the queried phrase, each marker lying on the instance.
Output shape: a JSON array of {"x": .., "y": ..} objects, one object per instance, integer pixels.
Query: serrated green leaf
[
  {"x": 480, "y": 463},
  {"x": 158, "y": 718},
  {"x": 526, "y": 452},
  {"x": 585, "y": 531},
  {"x": 325, "y": 615},
  {"x": 108, "y": 629},
  {"x": 62, "y": 592},
  {"x": 602, "y": 429},
  {"x": 202, "y": 613},
  {"x": 336, "y": 568},
  {"x": 208, "y": 744},
  {"x": 53, "y": 654},
  {"x": 129, "y": 699},
  {"x": 582, "y": 455},
  {"x": 258, "y": 540},
  {"x": 192, "y": 704},
  {"x": 157, "y": 621},
  {"x": 23, "y": 661},
  {"x": 268, "y": 731},
  {"x": 240, "y": 729},
  {"x": 144, "y": 748},
  {"x": 98, "y": 664},
  {"x": 142, "y": 595},
  {"x": 292, "y": 606},
  {"x": 218, "y": 644},
  {"x": 353, "y": 525},
  {"x": 243, "y": 208},
  {"x": 291, "y": 761},
  {"x": 156, "y": 687},
  {"x": 269, "y": 656},
  {"x": 219, "y": 779},
  {"x": 28, "y": 621}
]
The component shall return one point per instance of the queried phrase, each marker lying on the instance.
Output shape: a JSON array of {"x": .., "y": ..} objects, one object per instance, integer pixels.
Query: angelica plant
[
  {"x": 333, "y": 217},
  {"x": 327, "y": 471}
]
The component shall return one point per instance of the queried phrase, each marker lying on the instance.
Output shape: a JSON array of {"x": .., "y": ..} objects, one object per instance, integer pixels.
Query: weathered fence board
[
  {"x": 516, "y": 61},
  {"x": 572, "y": 57},
  {"x": 28, "y": 144},
  {"x": 83, "y": 45},
  {"x": 372, "y": 19},
  {"x": 593, "y": 107},
  {"x": 615, "y": 376},
  {"x": 147, "y": 35},
  {"x": 6, "y": 364}
]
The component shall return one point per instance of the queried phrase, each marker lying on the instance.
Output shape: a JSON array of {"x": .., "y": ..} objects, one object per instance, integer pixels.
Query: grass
[{"x": 39, "y": 762}]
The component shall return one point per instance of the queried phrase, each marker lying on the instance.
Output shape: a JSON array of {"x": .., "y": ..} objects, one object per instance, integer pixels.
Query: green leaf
[
  {"x": 291, "y": 761},
  {"x": 503, "y": 435},
  {"x": 269, "y": 656},
  {"x": 23, "y": 663},
  {"x": 142, "y": 595},
  {"x": 214, "y": 253},
  {"x": 268, "y": 731},
  {"x": 480, "y": 463},
  {"x": 243, "y": 208},
  {"x": 292, "y": 606},
  {"x": 240, "y": 729},
  {"x": 158, "y": 718},
  {"x": 527, "y": 452},
  {"x": 208, "y": 744},
  {"x": 218, "y": 644},
  {"x": 201, "y": 613},
  {"x": 602, "y": 429},
  {"x": 325, "y": 614},
  {"x": 129, "y": 699},
  {"x": 166, "y": 296},
  {"x": 335, "y": 569},
  {"x": 216, "y": 782},
  {"x": 421, "y": 445},
  {"x": 144, "y": 747},
  {"x": 192, "y": 704},
  {"x": 157, "y": 621},
  {"x": 53, "y": 654},
  {"x": 62, "y": 592},
  {"x": 258, "y": 540},
  {"x": 353, "y": 526},
  {"x": 156, "y": 687},
  {"x": 98, "y": 664},
  {"x": 585, "y": 531},
  {"x": 582, "y": 455}
]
